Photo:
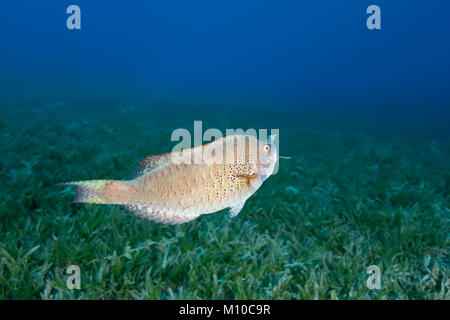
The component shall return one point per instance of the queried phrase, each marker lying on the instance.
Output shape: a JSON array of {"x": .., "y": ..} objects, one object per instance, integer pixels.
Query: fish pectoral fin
[
  {"x": 248, "y": 177},
  {"x": 234, "y": 210}
]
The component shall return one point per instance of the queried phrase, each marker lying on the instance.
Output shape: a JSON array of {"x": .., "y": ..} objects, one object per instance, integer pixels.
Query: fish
[{"x": 180, "y": 186}]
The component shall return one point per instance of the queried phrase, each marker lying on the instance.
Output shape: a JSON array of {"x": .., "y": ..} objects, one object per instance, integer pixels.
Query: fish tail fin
[{"x": 95, "y": 191}]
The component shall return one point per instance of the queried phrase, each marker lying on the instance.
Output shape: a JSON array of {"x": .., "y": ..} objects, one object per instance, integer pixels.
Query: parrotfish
[{"x": 176, "y": 187}]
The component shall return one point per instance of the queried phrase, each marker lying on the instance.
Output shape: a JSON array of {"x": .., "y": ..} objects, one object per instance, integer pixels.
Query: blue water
[{"x": 287, "y": 56}]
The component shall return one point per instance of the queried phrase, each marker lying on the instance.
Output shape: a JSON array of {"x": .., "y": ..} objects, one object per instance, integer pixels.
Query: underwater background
[{"x": 364, "y": 114}]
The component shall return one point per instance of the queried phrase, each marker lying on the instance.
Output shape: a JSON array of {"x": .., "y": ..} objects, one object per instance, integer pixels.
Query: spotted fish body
[{"x": 169, "y": 189}]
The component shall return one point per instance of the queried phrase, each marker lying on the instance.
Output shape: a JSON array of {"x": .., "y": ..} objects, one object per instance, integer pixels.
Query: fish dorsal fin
[
  {"x": 234, "y": 210},
  {"x": 147, "y": 165},
  {"x": 151, "y": 163}
]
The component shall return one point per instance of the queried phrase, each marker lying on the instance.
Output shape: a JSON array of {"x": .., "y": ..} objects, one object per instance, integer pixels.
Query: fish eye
[{"x": 266, "y": 148}]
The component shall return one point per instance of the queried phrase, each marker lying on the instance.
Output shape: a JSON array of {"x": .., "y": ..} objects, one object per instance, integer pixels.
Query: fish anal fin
[
  {"x": 158, "y": 216},
  {"x": 234, "y": 210}
]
